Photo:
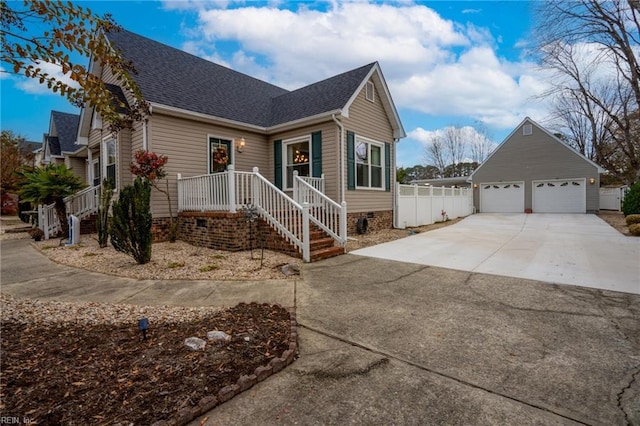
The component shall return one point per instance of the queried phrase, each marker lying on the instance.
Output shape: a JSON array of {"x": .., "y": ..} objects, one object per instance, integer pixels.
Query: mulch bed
[{"x": 107, "y": 374}]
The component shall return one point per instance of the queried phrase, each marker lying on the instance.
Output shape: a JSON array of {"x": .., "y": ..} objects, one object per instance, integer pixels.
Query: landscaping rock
[
  {"x": 291, "y": 269},
  {"x": 195, "y": 343},
  {"x": 218, "y": 335}
]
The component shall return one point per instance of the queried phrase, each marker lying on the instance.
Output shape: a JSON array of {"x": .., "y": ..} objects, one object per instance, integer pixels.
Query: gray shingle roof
[
  {"x": 66, "y": 127},
  {"x": 324, "y": 96},
  {"x": 171, "y": 77}
]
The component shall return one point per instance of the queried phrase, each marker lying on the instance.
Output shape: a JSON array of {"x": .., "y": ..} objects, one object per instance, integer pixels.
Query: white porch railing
[
  {"x": 316, "y": 182},
  {"x": 424, "y": 205},
  {"x": 231, "y": 190},
  {"x": 80, "y": 204},
  {"x": 328, "y": 215}
]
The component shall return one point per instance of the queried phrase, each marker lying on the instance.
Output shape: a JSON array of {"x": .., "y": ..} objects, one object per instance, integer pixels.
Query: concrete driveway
[
  {"x": 578, "y": 249},
  {"x": 385, "y": 342}
]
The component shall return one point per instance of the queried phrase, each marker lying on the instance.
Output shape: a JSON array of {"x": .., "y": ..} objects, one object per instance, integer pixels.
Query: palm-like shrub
[
  {"x": 131, "y": 222},
  {"x": 51, "y": 184}
]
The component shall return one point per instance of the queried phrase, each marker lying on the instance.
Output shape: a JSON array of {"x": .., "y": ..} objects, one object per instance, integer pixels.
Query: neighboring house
[
  {"x": 206, "y": 117},
  {"x": 533, "y": 171},
  {"x": 59, "y": 143}
]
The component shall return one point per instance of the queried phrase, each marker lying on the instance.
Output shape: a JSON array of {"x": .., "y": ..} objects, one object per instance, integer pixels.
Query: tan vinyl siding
[
  {"x": 369, "y": 119},
  {"x": 185, "y": 143},
  {"x": 330, "y": 151},
  {"x": 125, "y": 156},
  {"x": 78, "y": 165},
  {"x": 537, "y": 157}
]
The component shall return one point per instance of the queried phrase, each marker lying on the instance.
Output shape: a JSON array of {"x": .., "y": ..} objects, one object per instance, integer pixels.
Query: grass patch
[
  {"x": 47, "y": 247},
  {"x": 209, "y": 268},
  {"x": 218, "y": 256},
  {"x": 174, "y": 265},
  {"x": 90, "y": 254}
]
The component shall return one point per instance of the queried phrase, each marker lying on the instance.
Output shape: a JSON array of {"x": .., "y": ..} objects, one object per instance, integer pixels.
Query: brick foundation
[
  {"x": 229, "y": 231},
  {"x": 376, "y": 221},
  {"x": 89, "y": 225}
]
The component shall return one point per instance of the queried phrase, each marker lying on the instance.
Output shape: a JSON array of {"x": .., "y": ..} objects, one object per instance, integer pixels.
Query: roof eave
[
  {"x": 183, "y": 113},
  {"x": 398, "y": 129},
  {"x": 324, "y": 116}
]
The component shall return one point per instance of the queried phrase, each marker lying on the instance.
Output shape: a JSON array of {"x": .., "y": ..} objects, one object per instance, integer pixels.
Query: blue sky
[{"x": 446, "y": 63}]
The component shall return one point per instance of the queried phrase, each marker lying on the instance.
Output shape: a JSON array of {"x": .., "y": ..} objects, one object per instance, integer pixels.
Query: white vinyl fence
[
  {"x": 424, "y": 205},
  {"x": 611, "y": 198}
]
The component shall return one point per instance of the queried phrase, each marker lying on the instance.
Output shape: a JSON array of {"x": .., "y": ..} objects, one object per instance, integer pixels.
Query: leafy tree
[
  {"x": 150, "y": 166},
  {"x": 52, "y": 32},
  {"x": 13, "y": 158},
  {"x": 590, "y": 46},
  {"x": 51, "y": 184},
  {"x": 131, "y": 223},
  {"x": 401, "y": 175}
]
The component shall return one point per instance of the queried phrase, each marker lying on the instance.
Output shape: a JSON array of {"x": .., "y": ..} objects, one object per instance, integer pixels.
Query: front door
[{"x": 219, "y": 154}]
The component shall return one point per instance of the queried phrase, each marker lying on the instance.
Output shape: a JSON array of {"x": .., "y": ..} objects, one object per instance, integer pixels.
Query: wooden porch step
[{"x": 326, "y": 253}]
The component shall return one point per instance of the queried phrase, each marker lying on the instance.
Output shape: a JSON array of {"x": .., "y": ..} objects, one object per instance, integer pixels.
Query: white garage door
[
  {"x": 560, "y": 196},
  {"x": 503, "y": 197}
]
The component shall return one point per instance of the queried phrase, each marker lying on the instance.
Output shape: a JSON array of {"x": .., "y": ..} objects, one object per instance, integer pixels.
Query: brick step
[
  {"x": 326, "y": 253},
  {"x": 316, "y": 244}
]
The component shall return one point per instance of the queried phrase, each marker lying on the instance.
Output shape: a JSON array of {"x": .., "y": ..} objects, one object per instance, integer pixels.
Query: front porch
[{"x": 235, "y": 210}]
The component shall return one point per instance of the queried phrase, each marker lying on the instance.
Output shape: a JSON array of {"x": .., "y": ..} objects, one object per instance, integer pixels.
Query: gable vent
[
  {"x": 527, "y": 129},
  {"x": 370, "y": 91}
]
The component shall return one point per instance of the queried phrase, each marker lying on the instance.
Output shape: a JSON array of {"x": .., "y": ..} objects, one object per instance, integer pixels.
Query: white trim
[
  {"x": 388, "y": 101},
  {"x": 285, "y": 164},
  {"x": 222, "y": 138},
  {"x": 381, "y": 145},
  {"x": 104, "y": 156},
  {"x": 370, "y": 91}
]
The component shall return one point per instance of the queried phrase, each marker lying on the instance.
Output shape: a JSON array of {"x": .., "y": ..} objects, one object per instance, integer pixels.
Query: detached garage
[{"x": 533, "y": 171}]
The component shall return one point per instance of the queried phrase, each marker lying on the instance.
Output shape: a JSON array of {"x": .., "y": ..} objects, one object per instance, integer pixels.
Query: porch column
[{"x": 231, "y": 182}]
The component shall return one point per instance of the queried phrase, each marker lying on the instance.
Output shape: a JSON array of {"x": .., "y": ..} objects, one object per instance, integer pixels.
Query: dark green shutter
[
  {"x": 316, "y": 154},
  {"x": 351, "y": 161},
  {"x": 277, "y": 163},
  {"x": 387, "y": 166}
]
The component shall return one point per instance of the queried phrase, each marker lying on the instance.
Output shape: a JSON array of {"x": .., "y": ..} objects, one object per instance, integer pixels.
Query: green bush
[
  {"x": 634, "y": 229},
  {"x": 632, "y": 218},
  {"x": 631, "y": 202},
  {"x": 131, "y": 223},
  {"x": 102, "y": 223}
]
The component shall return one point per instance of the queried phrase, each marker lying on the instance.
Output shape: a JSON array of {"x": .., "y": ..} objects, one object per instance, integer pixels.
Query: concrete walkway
[
  {"x": 385, "y": 342},
  {"x": 578, "y": 249}
]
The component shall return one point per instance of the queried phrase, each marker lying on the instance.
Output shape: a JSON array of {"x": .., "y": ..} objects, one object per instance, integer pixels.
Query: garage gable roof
[{"x": 552, "y": 137}]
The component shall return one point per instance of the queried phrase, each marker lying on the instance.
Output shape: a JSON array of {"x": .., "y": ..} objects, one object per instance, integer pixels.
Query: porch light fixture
[
  {"x": 241, "y": 145},
  {"x": 475, "y": 186},
  {"x": 592, "y": 180}
]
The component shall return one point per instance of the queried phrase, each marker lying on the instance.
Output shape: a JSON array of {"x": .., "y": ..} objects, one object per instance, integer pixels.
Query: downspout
[
  {"x": 144, "y": 135},
  {"x": 394, "y": 188},
  {"x": 339, "y": 124}
]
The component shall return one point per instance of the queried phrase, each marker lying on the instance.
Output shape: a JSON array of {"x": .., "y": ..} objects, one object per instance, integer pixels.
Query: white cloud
[
  {"x": 33, "y": 85},
  {"x": 433, "y": 65}
]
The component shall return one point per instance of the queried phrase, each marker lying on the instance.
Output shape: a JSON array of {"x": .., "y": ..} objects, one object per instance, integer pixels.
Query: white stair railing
[
  {"x": 231, "y": 190},
  {"x": 81, "y": 204},
  {"x": 328, "y": 215},
  {"x": 289, "y": 218}
]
